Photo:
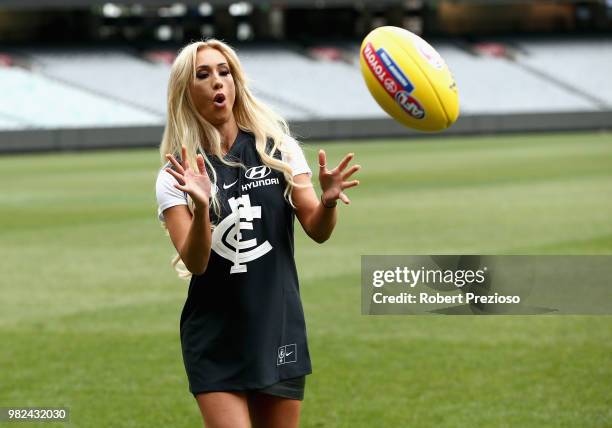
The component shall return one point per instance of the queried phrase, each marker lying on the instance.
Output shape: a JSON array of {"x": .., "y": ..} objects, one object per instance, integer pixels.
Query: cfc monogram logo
[{"x": 233, "y": 248}]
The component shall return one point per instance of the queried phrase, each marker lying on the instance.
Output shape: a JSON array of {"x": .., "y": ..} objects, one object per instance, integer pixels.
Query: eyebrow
[{"x": 207, "y": 66}]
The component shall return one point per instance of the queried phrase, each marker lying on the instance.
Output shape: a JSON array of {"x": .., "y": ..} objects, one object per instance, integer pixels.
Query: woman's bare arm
[
  {"x": 191, "y": 234},
  {"x": 317, "y": 221},
  {"x": 318, "y": 216}
]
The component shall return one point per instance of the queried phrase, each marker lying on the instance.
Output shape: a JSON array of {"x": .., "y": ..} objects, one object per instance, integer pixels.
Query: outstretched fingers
[
  {"x": 322, "y": 161},
  {"x": 201, "y": 166},
  {"x": 344, "y": 198},
  {"x": 350, "y": 171},
  {"x": 184, "y": 156},
  {"x": 349, "y": 184},
  {"x": 344, "y": 163},
  {"x": 181, "y": 188},
  {"x": 179, "y": 177},
  {"x": 176, "y": 163}
]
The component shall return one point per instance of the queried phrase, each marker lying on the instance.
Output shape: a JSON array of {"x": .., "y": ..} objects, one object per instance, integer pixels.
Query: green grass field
[{"x": 90, "y": 306}]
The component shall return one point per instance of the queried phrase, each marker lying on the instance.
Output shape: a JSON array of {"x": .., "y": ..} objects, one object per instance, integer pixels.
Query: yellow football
[{"x": 409, "y": 79}]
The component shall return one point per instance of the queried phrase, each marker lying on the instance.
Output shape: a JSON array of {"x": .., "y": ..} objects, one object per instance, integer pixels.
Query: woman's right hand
[{"x": 195, "y": 182}]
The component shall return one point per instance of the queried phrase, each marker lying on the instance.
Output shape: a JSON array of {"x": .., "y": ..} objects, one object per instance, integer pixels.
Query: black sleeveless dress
[{"x": 242, "y": 326}]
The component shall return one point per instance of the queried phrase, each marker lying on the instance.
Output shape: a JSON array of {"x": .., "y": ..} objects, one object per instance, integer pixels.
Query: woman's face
[{"x": 213, "y": 90}]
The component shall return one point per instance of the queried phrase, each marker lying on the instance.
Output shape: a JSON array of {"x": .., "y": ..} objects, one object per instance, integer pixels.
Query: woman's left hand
[{"x": 333, "y": 182}]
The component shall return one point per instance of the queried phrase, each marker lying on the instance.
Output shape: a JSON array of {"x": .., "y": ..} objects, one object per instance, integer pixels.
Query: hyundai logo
[{"x": 257, "y": 172}]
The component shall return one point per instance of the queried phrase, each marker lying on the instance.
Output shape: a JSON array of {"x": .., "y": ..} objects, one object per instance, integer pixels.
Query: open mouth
[{"x": 219, "y": 100}]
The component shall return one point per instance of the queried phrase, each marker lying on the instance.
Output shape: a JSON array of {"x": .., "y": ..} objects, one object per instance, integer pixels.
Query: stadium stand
[
  {"x": 320, "y": 89},
  {"x": 8, "y": 123},
  {"x": 118, "y": 88},
  {"x": 583, "y": 66},
  {"x": 117, "y": 75},
  {"x": 35, "y": 101},
  {"x": 490, "y": 84}
]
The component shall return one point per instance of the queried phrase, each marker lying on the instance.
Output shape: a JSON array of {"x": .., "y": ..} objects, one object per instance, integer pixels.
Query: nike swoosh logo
[
  {"x": 226, "y": 186},
  {"x": 288, "y": 353}
]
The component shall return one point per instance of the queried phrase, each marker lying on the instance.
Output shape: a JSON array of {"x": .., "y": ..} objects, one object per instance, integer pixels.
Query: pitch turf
[{"x": 90, "y": 307}]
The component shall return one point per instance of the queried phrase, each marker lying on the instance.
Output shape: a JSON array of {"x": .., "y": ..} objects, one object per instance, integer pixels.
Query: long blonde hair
[{"x": 185, "y": 125}]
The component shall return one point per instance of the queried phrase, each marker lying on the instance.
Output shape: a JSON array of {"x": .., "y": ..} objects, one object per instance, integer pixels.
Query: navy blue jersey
[{"x": 242, "y": 326}]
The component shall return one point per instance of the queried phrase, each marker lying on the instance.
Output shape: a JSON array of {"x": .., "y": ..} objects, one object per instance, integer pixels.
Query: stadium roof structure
[{"x": 64, "y": 4}]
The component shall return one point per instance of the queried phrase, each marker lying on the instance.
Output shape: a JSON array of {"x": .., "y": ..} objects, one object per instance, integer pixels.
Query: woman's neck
[{"x": 229, "y": 132}]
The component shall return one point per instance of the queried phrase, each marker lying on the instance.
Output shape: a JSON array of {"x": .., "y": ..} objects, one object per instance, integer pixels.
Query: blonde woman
[{"x": 232, "y": 183}]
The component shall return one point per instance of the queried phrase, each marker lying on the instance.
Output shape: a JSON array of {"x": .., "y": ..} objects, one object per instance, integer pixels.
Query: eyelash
[{"x": 204, "y": 76}]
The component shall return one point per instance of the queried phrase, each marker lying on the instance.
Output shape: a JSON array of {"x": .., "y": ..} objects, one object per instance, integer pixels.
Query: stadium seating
[
  {"x": 581, "y": 65},
  {"x": 66, "y": 88},
  {"x": 318, "y": 89},
  {"x": 114, "y": 74},
  {"x": 32, "y": 100},
  {"x": 489, "y": 84}
]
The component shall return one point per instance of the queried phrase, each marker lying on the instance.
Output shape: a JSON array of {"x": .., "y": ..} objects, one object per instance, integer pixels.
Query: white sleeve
[
  {"x": 167, "y": 195},
  {"x": 295, "y": 157}
]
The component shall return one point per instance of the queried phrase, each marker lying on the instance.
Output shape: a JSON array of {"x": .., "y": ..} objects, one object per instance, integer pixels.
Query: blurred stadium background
[
  {"x": 79, "y": 74},
  {"x": 89, "y": 305}
]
